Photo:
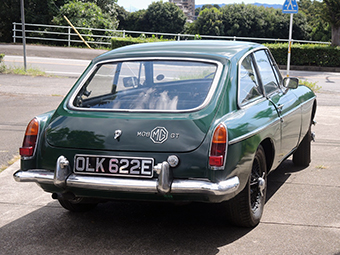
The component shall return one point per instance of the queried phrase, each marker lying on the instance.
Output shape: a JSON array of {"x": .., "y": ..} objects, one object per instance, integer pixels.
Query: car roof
[{"x": 213, "y": 49}]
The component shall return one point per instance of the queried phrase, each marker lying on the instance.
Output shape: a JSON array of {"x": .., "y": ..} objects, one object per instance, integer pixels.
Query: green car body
[{"x": 163, "y": 150}]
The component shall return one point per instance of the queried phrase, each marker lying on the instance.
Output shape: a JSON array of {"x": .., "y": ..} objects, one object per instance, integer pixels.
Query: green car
[{"x": 184, "y": 121}]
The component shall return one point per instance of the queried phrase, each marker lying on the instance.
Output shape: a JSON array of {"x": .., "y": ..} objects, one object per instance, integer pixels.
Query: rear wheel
[
  {"x": 76, "y": 204},
  {"x": 247, "y": 207},
  {"x": 302, "y": 155}
]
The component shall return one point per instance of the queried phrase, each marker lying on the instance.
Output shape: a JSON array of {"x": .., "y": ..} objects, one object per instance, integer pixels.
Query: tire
[
  {"x": 76, "y": 205},
  {"x": 246, "y": 208},
  {"x": 302, "y": 155}
]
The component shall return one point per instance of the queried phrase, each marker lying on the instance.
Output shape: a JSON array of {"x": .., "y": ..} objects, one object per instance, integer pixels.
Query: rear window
[{"x": 147, "y": 85}]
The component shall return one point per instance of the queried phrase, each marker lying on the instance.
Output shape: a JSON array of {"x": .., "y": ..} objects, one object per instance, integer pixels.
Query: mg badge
[{"x": 159, "y": 135}]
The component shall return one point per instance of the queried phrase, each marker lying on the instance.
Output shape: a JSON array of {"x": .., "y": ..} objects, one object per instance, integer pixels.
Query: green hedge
[
  {"x": 301, "y": 54},
  {"x": 306, "y": 54},
  {"x": 2, "y": 66}
]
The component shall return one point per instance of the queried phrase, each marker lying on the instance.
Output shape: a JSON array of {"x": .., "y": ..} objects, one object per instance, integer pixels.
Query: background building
[{"x": 187, "y": 6}]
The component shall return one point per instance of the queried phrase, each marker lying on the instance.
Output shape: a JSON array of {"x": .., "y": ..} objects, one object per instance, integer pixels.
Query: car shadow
[
  {"x": 122, "y": 227},
  {"x": 279, "y": 176}
]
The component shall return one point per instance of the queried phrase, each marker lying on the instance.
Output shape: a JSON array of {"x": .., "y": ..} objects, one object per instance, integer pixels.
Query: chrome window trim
[
  {"x": 277, "y": 72},
  {"x": 240, "y": 104},
  {"x": 212, "y": 90}
]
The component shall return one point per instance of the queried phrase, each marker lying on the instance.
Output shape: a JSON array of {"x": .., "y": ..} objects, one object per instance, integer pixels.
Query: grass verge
[
  {"x": 9, "y": 163},
  {"x": 311, "y": 85},
  {"x": 20, "y": 70}
]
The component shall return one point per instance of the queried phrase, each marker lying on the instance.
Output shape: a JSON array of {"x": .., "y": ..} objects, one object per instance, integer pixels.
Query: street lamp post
[{"x": 23, "y": 31}]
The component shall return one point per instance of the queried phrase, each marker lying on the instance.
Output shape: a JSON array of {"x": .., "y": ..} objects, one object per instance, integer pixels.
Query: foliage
[
  {"x": 249, "y": 21},
  {"x": 164, "y": 17},
  {"x": 87, "y": 15},
  {"x": 306, "y": 54},
  {"x": 321, "y": 30},
  {"x": 158, "y": 17},
  {"x": 205, "y": 6},
  {"x": 36, "y": 11},
  {"x": 20, "y": 70},
  {"x": 122, "y": 17},
  {"x": 43, "y": 12},
  {"x": 107, "y": 6},
  {"x": 84, "y": 15},
  {"x": 2, "y": 66},
  {"x": 330, "y": 12},
  {"x": 135, "y": 21},
  {"x": 209, "y": 22},
  {"x": 312, "y": 85}
]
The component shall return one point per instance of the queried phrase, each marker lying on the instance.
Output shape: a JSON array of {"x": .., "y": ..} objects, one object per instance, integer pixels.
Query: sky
[{"x": 134, "y": 5}]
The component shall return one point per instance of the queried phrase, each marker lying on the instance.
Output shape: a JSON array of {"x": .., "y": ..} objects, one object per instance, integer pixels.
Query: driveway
[{"x": 301, "y": 213}]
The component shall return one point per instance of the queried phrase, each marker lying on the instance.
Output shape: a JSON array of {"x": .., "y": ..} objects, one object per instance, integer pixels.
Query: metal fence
[{"x": 66, "y": 35}]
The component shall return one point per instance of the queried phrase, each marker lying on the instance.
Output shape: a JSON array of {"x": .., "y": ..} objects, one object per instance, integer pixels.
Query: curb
[{"x": 12, "y": 168}]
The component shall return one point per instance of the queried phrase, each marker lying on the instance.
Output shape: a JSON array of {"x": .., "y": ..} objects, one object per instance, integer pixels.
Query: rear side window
[
  {"x": 267, "y": 71},
  {"x": 147, "y": 85},
  {"x": 249, "y": 88}
]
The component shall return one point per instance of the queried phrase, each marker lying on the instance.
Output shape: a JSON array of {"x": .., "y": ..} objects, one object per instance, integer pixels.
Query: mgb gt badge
[{"x": 158, "y": 134}]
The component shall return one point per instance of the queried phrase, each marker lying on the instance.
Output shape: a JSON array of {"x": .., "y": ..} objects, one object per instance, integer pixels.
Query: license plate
[{"x": 114, "y": 165}]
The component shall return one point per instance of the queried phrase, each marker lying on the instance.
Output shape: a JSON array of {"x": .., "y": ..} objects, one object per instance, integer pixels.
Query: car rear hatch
[
  {"x": 147, "y": 105},
  {"x": 128, "y": 134}
]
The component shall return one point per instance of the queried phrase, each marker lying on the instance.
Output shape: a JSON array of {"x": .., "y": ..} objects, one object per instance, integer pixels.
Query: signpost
[{"x": 291, "y": 7}]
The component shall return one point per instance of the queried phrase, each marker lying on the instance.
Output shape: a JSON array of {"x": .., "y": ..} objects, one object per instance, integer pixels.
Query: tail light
[
  {"x": 30, "y": 139},
  {"x": 218, "y": 147}
]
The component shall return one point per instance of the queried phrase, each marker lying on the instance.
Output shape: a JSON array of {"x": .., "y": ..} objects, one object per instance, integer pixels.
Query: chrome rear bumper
[{"x": 64, "y": 178}]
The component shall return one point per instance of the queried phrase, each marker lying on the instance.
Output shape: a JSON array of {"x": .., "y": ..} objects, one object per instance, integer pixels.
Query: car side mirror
[
  {"x": 290, "y": 82},
  {"x": 130, "y": 82}
]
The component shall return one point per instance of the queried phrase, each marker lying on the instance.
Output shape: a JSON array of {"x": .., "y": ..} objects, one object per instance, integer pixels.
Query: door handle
[{"x": 279, "y": 108}]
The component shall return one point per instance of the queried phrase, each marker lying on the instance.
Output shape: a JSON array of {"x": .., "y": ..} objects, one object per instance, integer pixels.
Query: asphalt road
[{"x": 301, "y": 213}]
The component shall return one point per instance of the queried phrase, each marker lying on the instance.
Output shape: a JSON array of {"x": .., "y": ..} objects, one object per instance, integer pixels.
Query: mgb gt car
[{"x": 202, "y": 121}]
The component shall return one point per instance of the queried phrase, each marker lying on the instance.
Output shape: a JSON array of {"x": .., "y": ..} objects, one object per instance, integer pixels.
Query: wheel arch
[
  {"x": 313, "y": 110},
  {"x": 269, "y": 151}
]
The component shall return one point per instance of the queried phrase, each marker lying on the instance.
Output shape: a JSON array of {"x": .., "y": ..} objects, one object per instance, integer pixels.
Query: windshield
[{"x": 147, "y": 85}]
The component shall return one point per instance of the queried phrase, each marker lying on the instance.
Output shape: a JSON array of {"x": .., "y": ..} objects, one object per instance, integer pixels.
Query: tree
[
  {"x": 244, "y": 20},
  {"x": 330, "y": 12},
  {"x": 87, "y": 15},
  {"x": 36, "y": 11},
  {"x": 209, "y": 22},
  {"x": 257, "y": 21},
  {"x": 107, "y": 6},
  {"x": 135, "y": 21},
  {"x": 122, "y": 17},
  {"x": 320, "y": 30},
  {"x": 164, "y": 17},
  {"x": 205, "y": 6}
]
